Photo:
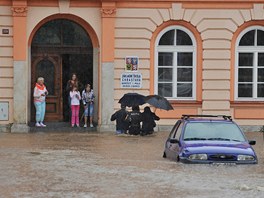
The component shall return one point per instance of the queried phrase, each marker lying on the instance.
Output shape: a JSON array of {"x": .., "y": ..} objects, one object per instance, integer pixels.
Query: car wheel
[{"x": 164, "y": 155}]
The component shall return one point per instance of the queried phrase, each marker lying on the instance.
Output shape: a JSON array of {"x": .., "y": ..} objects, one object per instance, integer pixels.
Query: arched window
[
  {"x": 61, "y": 32},
  {"x": 249, "y": 79},
  {"x": 175, "y": 64}
]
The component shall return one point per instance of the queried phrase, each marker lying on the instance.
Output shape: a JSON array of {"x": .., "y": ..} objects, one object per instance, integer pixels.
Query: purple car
[{"x": 208, "y": 139}]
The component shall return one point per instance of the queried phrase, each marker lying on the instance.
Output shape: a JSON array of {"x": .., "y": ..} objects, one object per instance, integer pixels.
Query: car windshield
[{"x": 213, "y": 131}]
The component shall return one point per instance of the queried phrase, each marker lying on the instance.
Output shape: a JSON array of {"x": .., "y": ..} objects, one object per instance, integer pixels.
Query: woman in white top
[
  {"x": 75, "y": 106},
  {"x": 40, "y": 93}
]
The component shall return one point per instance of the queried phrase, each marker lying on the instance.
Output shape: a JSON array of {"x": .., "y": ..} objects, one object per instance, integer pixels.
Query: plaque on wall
[
  {"x": 131, "y": 63},
  {"x": 131, "y": 80}
]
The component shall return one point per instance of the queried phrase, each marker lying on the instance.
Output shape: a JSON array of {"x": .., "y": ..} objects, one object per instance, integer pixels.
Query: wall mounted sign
[
  {"x": 4, "y": 109},
  {"x": 131, "y": 80},
  {"x": 131, "y": 63}
]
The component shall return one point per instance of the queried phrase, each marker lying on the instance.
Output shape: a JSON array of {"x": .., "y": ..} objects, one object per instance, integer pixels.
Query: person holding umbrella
[
  {"x": 121, "y": 122},
  {"x": 134, "y": 119},
  {"x": 132, "y": 99},
  {"x": 148, "y": 118},
  {"x": 148, "y": 121},
  {"x": 158, "y": 102}
]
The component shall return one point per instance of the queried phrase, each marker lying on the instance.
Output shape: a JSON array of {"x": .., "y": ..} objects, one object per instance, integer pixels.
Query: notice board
[{"x": 131, "y": 80}]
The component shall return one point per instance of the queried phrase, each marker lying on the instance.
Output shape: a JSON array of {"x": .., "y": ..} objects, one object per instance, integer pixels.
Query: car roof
[{"x": 207, "y": 118}]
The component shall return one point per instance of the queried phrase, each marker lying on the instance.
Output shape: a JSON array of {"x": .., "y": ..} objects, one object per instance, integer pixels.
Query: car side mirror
[
  {"x": 252, "y": 142},
  {"x": 174, "y": 141}
]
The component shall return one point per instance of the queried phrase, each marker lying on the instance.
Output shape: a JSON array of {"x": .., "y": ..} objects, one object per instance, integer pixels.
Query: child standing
[
  {"x": 75, "y": 106},
  {"x": 88, "y": 102}
]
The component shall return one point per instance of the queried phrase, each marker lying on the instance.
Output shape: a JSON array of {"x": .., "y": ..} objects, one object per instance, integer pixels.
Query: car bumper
[{"x": 188, "y": 161}]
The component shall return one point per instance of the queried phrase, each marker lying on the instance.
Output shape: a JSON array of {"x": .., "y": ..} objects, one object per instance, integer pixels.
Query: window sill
[
  {"x": 185, "y": 102},
  {"x": 247, "y": 103}
]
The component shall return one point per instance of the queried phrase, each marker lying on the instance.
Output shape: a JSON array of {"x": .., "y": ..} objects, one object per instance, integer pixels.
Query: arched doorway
[{"x": 59, "y": 48}]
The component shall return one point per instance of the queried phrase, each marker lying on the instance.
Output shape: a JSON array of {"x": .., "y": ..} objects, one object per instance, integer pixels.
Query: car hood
[{"x": 213, "y": 147}]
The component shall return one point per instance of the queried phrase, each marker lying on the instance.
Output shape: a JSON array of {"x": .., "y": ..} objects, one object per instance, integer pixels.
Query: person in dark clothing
[
  {"x": 121, "y": 122},
  {"x": 148, "y": 121},
  {"x": 73, "y": 82},
  {"x": 134, "y": 118}
]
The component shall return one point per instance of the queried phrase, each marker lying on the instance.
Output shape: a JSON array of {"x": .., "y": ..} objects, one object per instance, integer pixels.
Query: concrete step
[{"x": 60, "y": 127}]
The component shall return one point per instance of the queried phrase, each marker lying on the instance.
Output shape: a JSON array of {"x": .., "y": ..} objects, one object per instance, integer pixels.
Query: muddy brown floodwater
[{"x": 85, "y": 165}]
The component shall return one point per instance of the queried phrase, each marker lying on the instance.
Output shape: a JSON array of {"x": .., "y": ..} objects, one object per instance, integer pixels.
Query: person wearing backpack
[{"x": 134, "y": 119}]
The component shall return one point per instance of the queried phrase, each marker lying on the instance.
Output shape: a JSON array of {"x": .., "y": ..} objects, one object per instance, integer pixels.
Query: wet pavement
[{"x": 87, "y": 165}]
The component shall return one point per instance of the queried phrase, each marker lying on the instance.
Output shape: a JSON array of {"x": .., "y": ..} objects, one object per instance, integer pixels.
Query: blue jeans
[
  {"x": 40, "y": 111},
  {"x": 120, "y": 131},
  {"x": 89, "y": 110}
]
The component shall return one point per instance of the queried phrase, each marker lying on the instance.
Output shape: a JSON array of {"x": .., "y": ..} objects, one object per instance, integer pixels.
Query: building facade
[{"x": 206, "y": 57}]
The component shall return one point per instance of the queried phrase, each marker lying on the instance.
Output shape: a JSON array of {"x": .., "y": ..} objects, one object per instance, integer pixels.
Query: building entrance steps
[{"x": 60, "y": 127}]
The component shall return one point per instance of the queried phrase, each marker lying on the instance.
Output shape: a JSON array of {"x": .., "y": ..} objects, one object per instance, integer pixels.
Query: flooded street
[{"x": 104, "y": 165}]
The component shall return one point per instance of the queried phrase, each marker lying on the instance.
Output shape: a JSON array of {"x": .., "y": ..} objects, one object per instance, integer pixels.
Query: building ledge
[
  {"x": 183, "y": 103},
  {"x": 247, "y": 104}
]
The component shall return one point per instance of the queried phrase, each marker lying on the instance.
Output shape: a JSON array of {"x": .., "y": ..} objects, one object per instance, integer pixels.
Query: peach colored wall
[
  {"x": 6, "y": 60},
  {"x": 134, "y": 32},
  {"x": 215, "y": 24}
]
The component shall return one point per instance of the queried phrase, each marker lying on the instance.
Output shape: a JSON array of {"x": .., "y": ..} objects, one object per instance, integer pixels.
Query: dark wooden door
[{"x": 49, "y": 67}]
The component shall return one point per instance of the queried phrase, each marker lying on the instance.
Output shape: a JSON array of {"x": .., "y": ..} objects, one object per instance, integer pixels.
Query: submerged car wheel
[{"x": 164, "y": 155}]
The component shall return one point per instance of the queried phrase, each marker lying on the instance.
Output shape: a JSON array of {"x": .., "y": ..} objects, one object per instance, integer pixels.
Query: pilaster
[
  {"x": 108, "y": 12},
  {"x": 19, "y": 9}
]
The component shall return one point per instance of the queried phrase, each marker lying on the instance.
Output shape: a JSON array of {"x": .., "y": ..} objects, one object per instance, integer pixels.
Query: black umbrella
[
  {"x": 132, "y": 99},
  {"x": 159, "y": 102}
]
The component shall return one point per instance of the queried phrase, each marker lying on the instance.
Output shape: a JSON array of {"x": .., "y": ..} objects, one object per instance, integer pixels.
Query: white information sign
[
  {"x": 131, "y": 80},
  {"x": 4, "y": 111}
]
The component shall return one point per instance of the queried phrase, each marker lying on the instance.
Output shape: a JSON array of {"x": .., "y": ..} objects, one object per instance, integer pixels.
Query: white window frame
[
  {"x": 175, "y": 49},
  {"x": 248, "y": 49}
]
